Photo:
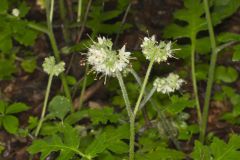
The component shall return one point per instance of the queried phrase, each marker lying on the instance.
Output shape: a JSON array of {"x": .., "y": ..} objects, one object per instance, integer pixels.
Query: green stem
[
  {"x": 130, "y": 114},
  {"x": 147, "y": 97},
  {"x": 194, "y": 80},
  {"x": 83, "y": 86},
  {"x": 143, "y": 87},
  {"x": 168, "y": 128},
  {"x": 55, "y": 48},
  {"x": 79, "y": 11},
  {"x": 38, "y": 27},
  {"x": 66, "y": 35},
  {"x": 57, "y": 56},
  {"x": 210, "y": 73},
  {"x": 44, "y": 105},
  {"x": 125, "y": 95},
  {"x": 51, "y": 10},
  {"x": 132, "y": 138}
]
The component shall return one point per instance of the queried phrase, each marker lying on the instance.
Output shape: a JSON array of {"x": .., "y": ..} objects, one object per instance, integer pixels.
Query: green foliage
[
  {"x": 98, "y": 19},
  {"x": 59, "y": 106},
  {"x": 103, "y": 115},
  {"x": 15, "y": 28},
  {"x": 111, "y": 139},
  {"x": 7, "y": 68},
  {"x": 153, "y": 148},
  {"x": 178, "y": 104},
  {"x": 12, "y": 30},
  {"x": 218, "y": 149},
  {"x": 97, "y": 116},
  {"x": 228, "y": 93},
  {"x": 7, "y": 120},
  {"x": 190, "y": 21},
  {"x": 29, "y": 65},
  {"x": 226, "y": 74},
  {"x": 67, "y": 142}
]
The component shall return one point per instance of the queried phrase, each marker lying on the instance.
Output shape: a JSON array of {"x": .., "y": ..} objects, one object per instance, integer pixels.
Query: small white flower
[
  {"x": 15, "y": 12},
  {"x": 41, "y": 3},
  {"x": 169, "y": 84},
  {"x": 158, "y": 52},
  {"x": 50, "y": 66},
  {"x": 105, "y": 60}
]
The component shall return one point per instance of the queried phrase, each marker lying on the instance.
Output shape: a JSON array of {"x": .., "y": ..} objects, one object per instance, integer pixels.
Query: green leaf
[
  {"x": 10, "y": 123},
  {"x": 29, "y": 65},
  {"x": 228, "y": 36},
  {"x": 99, "y": 19},
  {"x": 202, "y": 71},
  {"x": 236, "y": 54},
  {"x": 59, "y": 106},
  {"x": 3, "y": 6},
  {"x": 223, "y": 9},
  {"x": 178, "y": 104},
  {"x": 76, "y": 116},
  {"x": 32, "y": 122},
  {"x": 227, "y": 151},
  {"x": 109, "y": 139},
  {"x": 201, "y": 152},
  {"x": 23, "y": 9},
  {"x": 16, "y": 108},
  {"x": 71, "y": 80},
  {"x": 52, "y": 144},
  {"x": 7, "y": 68},
  {"x": 67, "y": 145},
  {"x": 162, "y": 153},
  {"x": 26, "y": 37},
  {"x": 191, "y": 14},
  {"x": 2, "y": 107},
  {"x": 103, "y": 115},
  {"x": 70, "y": 136},
  {"x": 226, "y": 74},
  {"x": 203, "y": 46}
]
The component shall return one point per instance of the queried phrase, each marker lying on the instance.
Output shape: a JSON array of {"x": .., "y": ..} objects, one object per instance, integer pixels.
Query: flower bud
[
  {"x": 50, "y": 66},
  {"x": 159, "y": 52},
  {"x": 169, "y": 84}
]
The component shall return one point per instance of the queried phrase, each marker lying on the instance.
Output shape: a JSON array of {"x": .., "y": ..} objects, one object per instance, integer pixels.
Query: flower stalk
[
  {"x": 44, "y": 105},
  {"x": 52, "y": 69},
  {"x": 210, "y": 73}
]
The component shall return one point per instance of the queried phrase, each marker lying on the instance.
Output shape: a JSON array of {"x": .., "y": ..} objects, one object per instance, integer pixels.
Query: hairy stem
[
  {"x": 147, "y": 97},
  {"x": 56, "y": 52},
  {"x": 79, "y": 10},
  {"x": 143, "y": 87},
  {"x": 65, "y": 31},
  {"x": 132, "y": 137},
  {"x": 44, "y": 105},
  {"x": 194, "y": 80},
  {"x": 125, "y": 95},
  {"x": 168, "y": 128},
  {"x": 83, "y": 86},
  {"x": 210, "y": 73},
  {"x": 130, "y": 115}
]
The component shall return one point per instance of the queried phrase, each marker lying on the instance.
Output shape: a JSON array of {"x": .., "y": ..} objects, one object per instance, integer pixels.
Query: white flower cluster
[
  {"x": 159, "y": 52},
  {"x": 105, "y": 60},
  {"x": 15, "y": 12},
  {"x": 169, "y": 84},
  {"x": 50, "y": 66}
]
